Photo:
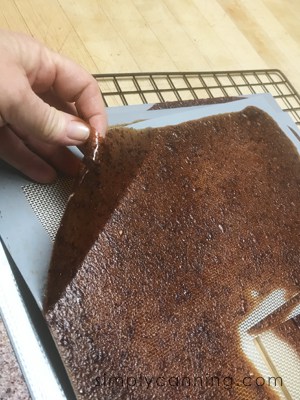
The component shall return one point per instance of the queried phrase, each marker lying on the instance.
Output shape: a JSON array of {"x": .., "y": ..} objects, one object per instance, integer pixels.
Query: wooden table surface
[
  {"x": 107, "y": 36},
  {"x": 165, "y": 35}
]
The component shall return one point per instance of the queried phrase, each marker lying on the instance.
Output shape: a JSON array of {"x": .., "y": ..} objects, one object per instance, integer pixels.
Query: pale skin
[{"x": 42, "y": 94}]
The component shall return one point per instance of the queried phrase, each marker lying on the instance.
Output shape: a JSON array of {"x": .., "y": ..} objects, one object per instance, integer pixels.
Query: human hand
[{"x": 42, "y": 97}]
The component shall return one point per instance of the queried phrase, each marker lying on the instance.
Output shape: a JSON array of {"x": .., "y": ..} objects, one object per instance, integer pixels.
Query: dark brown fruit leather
[
  {"x": 194, "y": 102},
  {"x": 159, "y": 250}
]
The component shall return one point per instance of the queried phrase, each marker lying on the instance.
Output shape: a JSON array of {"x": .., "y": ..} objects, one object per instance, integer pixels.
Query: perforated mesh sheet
[
  {"x": 282, "y": 360},
  {"x": 276, "y": 360},
  {"x": 48, "y": 201}
]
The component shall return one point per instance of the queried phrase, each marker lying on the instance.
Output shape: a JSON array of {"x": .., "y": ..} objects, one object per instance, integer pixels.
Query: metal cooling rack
[{"x": 156, "y": 87}]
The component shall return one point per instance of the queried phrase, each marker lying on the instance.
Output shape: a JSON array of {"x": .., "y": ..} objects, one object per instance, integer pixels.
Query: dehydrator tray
[{"x": 20, "y": 305}]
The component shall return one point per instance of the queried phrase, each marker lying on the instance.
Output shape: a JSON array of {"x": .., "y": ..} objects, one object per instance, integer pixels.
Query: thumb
[{"x": 30, "y": 116}]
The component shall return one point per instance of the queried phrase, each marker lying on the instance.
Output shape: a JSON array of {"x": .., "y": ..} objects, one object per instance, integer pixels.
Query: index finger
[{"x": 74, "y": 84}]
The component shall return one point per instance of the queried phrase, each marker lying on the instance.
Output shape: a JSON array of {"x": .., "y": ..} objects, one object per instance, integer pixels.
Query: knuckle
[{"x": 51, "y": 124}]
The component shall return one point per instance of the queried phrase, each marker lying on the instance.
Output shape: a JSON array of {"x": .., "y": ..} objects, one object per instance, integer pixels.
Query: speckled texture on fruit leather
[{"x": 159, "y": 251}]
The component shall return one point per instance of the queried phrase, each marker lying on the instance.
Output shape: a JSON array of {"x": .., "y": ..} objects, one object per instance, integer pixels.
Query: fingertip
[
  {"x": 66, "y": 162},
  {"x": 44, "y": 175},
  {"x": 100, "y": 124},
  {"x": 102, "y": 134}
]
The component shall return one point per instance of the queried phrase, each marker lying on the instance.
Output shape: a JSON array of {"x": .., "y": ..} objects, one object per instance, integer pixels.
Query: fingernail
[{"x": 78, "y": 131}]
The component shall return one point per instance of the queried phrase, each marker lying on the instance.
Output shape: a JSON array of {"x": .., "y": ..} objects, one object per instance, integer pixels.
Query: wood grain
[{"x": 164, "y": 35}]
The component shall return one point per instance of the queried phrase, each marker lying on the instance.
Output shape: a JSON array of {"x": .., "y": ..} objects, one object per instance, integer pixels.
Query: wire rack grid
[{"x": 157, "y": 87}]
